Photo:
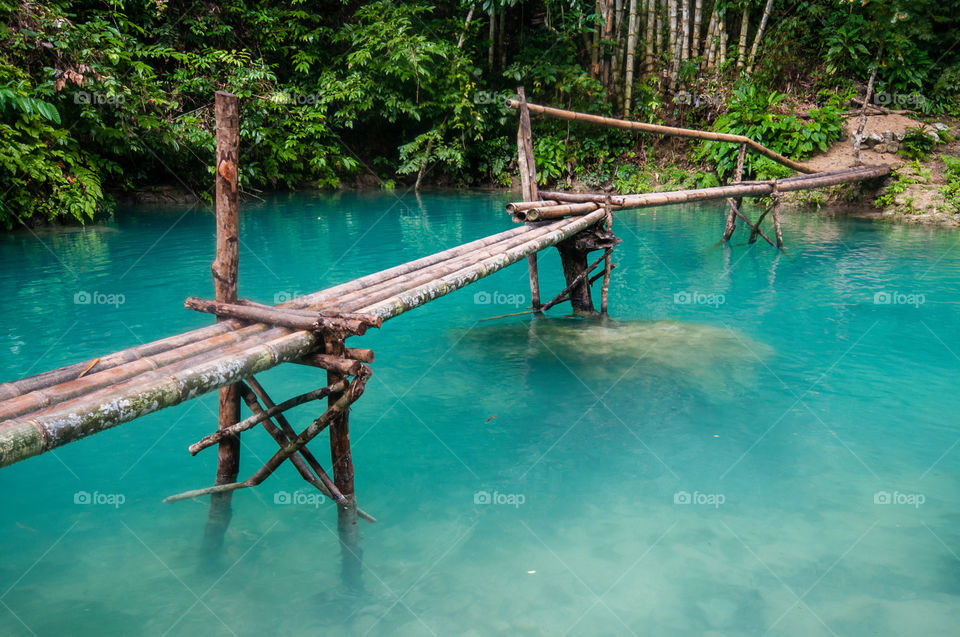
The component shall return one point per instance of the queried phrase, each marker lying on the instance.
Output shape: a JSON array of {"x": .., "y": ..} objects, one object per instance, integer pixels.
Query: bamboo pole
[
  {"x": 745, "y": 189},
  {"x": 278, "y": 316},
  {"x": 225, "y": 270},
  {"x": 574, "y": 116},
  {"x": 528, "y": 181}
]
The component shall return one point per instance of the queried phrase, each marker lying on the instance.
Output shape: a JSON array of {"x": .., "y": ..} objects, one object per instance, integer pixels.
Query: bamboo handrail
[
  {"x": 592, "y": 201},
  {"x": 673, "y": 131}
]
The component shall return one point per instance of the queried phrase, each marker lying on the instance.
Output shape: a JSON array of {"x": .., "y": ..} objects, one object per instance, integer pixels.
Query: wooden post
[
  {"x": 574, "y": 262},
  {"x": 528, "y": 182},
  {"x": 776, "y": 218},
  {"x": 735, "y": 204},
  {"x": 607, "y": 264},
  {"x": 225, "y": 268},
  {"x": 341, "y": 461}
]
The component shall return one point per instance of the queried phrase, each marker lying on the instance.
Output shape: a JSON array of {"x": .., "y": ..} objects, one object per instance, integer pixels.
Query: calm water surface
[{"x": 758, "y": 444}]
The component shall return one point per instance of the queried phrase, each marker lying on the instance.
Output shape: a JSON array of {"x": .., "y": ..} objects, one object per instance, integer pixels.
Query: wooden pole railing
[{"x": 573, "y": 116}]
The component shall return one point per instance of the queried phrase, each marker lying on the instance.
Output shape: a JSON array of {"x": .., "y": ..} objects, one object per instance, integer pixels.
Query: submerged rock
[{"x": 697, "y": 356}]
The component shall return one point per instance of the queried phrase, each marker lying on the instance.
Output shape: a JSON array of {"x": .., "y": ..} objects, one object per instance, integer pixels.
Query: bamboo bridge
[{"x": 43, "y": 412}]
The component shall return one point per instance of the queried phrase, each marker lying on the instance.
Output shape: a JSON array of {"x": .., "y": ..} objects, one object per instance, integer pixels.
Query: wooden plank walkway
[{"x": 46, "y": 411}]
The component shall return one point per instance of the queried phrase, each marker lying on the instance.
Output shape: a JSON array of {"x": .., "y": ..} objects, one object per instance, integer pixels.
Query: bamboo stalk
[
  {"x": 343, "y": 366},
  {"x": 574, "y": 116},
  {"x": 526, "y": 205},
  {"x": 278, "y": 316}
]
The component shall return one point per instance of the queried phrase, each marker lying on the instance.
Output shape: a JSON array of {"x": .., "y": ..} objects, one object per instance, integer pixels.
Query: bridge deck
[{"x": 43, "y": 412}]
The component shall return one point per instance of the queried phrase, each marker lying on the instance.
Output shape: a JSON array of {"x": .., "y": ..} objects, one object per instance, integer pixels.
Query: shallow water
[{"x": 715, "y": 460}]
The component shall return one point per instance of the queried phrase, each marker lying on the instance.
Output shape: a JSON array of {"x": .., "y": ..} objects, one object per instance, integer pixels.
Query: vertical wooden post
[
  {"x": 528, "y": 182},
  {"x": 225, "y": 268},
  {"x": 341, "y": 461},
  {"x": 776, "y": 217},
  {"x": 607, "y": 262},
  {"x": 574, "y": 261},
  {"x": 735, "y": 203}
]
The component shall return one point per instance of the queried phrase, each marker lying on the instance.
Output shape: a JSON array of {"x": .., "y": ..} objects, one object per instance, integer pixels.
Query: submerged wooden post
[
  {"x": 575, "y": 266},
  {"x": 225, "y": 268},
  {"x": 528, "y": 183},
  {"x": 735, "y": 203},
  {"x": 607, "y": 262},
  {"x": 776, "y": 217},
  {"x": 341, "y": 461}
]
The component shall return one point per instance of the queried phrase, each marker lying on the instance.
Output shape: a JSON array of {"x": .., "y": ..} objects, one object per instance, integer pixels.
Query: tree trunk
[
  {"x": 722, "y": 44},
  {"x": 685, "y": 30},
  {"x": 672, "y": 24},
  {"x": 491, "y": 52},
  {"x": 710, "y": 44},
  {"x": 632, "y": 29},
  {"x": 618, "y": 47},
  {"x": 759, "y": 36},
  {"x": 466, "y": 26},
  {"x": 659, "y": 29},
  {"x": 649, "y": 36},
  {"x": 696, "y": 44},
  {"x": 500, "y": 36},
  {"x": 595, "y": 47},
  {"x": 863, "y": 109},
  {"x": 744, "y": 28}
]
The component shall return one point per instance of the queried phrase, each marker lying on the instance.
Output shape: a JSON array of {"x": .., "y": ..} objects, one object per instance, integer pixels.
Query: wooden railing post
[
  {"x": 225, "y": 269},
  {"x": 735, "y": 203},
  {"x": 528, "y": 183}
]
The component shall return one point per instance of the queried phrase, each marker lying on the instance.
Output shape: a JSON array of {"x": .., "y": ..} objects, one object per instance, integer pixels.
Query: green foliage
[
  {"x": 918, "y": 143},
  {"x": 899, "y": 185},
  {"x": 951, "y": 191},
  {"x": 753, "y": 112}
]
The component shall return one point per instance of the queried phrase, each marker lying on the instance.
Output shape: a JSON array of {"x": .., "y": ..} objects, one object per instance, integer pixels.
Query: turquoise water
[{"x": 715, "y": 461}]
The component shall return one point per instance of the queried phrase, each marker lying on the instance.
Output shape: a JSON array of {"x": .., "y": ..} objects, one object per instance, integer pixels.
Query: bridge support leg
[
  {"x": 225, "y": 268},
  {"x": 735, "y": 204},
  {"x": 351, "y": 555},
  {"x": 528, "y": 184},
  {"x": 574, "y": 263}
]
